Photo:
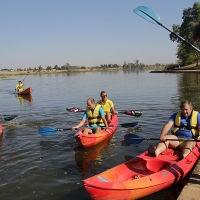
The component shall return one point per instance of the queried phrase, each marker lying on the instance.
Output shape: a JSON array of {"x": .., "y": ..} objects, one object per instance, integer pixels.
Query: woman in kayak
[
  {"x": 107, "y": 105},
  {"x": 186, "y": 125},
  {"x": 19, "y": 86}
]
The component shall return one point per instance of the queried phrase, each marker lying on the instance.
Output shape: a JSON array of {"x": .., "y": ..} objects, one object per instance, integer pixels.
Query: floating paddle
[
  {"x": 149, "y": 15},
  {"x": 9, "y": 117},
  {"x": 136, "y": 139},
  {"x": 136, "y": 113},
  {"x": 48, "y": 131}
]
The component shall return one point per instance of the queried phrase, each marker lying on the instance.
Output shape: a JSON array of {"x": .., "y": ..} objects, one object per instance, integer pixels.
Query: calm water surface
[{"x": 36, "y": 167}]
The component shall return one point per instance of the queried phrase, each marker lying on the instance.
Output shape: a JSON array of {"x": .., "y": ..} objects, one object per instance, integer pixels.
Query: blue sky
[{"x": 85, "y": 32}]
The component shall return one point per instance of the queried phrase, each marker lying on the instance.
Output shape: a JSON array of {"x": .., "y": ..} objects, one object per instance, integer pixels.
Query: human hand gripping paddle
[
  {"x": 149, "y": 15},
  {"x": 136, "y": 139},
  {"x": 48, "y": 131},
  {"x": 136, "y": 113}
]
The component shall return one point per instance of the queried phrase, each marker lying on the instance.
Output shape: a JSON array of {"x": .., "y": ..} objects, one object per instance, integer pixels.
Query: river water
[{"x": 52, "y": 168}]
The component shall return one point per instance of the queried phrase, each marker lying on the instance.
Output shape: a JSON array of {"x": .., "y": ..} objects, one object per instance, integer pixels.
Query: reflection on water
[
  {"x": 89, "y": 160},
  {"x": 24, "y": 98}
]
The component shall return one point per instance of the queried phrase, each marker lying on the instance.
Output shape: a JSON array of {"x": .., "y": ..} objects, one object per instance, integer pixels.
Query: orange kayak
[
  {"x": 141, "y": 176},
  {"x": 89, "y": 140},
  {"x": 25, "y": 91},
  {"x": 1, "y": 130}
]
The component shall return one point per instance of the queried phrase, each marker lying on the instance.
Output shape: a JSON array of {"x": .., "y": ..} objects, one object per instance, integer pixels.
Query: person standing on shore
[{"x": 19, "y": 86}]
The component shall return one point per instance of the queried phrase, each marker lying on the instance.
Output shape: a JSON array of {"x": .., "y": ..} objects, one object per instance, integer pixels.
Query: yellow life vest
[
  {"x": 193, "y": 123},
  {"x": 107, "y": 105},
  {"x": 94, "y": 117},
  {"x": 19, "y": 86}
]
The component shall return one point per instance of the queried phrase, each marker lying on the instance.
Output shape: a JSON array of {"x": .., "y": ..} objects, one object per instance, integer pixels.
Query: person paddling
[{"x": 19, "y": 86}]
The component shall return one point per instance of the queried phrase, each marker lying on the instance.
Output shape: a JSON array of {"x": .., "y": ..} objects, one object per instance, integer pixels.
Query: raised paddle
[
  {"x": 48, "y": 131},
  {"x": 149, "y": 15},
  {"x": 136, "y": 113},
  {"x": 136, "y": 139}
]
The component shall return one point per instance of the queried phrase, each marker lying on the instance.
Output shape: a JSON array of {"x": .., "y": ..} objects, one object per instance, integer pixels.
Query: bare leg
[
  {"x": 108, "y": 117},
  {"x": 187, "y": 147},
  {"x": 87, "y": 131},
  {"x": 162, "y": 146}
]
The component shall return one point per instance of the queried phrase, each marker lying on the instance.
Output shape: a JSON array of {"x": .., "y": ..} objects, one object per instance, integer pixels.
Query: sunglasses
[{"x": 104, "y": 95}]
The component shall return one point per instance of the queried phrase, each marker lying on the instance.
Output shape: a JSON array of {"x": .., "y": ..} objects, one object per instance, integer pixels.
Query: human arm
[
  {"x": 79, "y": 124},
  {"x": 101, "y": 112},
  {"x": 113, "y": 111},
  {"x": 165, "y": 130}
]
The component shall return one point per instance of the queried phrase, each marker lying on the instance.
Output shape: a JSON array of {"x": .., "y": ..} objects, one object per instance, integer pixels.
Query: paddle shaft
[
  {"x": 136, "y": 113},
  {"x": 142, "y": 10},
  {"x": 25, "y": 78},
  {"x": 166, "y": 139}
]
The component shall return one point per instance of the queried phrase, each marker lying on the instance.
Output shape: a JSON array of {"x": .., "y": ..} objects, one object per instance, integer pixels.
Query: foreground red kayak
[
  {"x": 89, "y": 140},
  {"x": 141, "y": 176},
  {"x": 25, "y": 91}
]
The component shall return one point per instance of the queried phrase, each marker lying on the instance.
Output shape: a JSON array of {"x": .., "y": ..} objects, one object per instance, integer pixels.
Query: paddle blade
[
  {"x": 136, "y": 113},
  {"x": 147, "y": 14},
  {"x": 9, "y": 117},
  {"x": 133, "y": 139},
  {"x": 128, "y": 125},
  {"x": 74, "y": 109},
  {"x": 47, "y": 131}
]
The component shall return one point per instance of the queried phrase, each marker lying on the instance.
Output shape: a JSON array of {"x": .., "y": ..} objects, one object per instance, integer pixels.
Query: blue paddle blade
[
  {"x": 133, "y": 139},
  {"x": 147, "y": 14},
  {"x": 128, "y": 125},
  {"x": 46, "y": 131},
  {"x": 9, "y": 117}
]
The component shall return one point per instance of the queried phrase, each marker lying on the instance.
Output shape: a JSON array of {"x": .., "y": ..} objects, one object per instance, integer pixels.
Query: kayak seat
[{"x": 155, "y": 165}]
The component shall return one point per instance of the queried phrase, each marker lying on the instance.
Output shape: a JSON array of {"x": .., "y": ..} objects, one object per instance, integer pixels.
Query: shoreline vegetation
[{"x": 4, "y": 74}]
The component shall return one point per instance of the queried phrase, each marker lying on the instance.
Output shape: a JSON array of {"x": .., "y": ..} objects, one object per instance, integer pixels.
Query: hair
[
  {"x": 186, "y": 102},
  {"x": 92, "y": 100},
  {"x": 196, "y": 32},
  {"x": 102, "y": 93}
]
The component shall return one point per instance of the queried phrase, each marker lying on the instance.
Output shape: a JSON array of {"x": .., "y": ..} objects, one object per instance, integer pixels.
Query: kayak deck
[{"x": 141, "y": 176}]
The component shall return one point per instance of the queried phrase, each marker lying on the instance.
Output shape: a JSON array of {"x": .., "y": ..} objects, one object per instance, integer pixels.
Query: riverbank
[{"x": 31, "y": 72}]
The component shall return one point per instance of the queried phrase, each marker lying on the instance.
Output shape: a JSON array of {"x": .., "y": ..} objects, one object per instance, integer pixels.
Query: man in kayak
[
  {"x": 96, "y": 118},
  {"x": 107, "y": 106},
  {"x": 19, "y": 86},
  {"x": 196, "y": 32},
  {"x": 186, "y": 125}
]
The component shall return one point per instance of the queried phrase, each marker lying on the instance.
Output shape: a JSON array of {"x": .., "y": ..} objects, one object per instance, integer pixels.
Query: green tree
[{"x": 186, "y": 54}]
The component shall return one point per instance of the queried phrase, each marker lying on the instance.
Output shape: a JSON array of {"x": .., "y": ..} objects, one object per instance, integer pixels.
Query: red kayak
[
  {"x": 89, "y": 140},
  {"x": 1, "y": 131},
  {"x": 25, "y": 91},
  {"x": 141, "y": 176}
]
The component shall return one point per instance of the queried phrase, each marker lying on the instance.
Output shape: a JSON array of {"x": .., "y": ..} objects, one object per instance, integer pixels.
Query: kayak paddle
[
  {"x": 9, "y": 117},
  {"x": 149, "y": 15},
  {"x": 136, "y": 113},
  {"x": 48, "y": 131},
  {"x": 136, "y": 139}
]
